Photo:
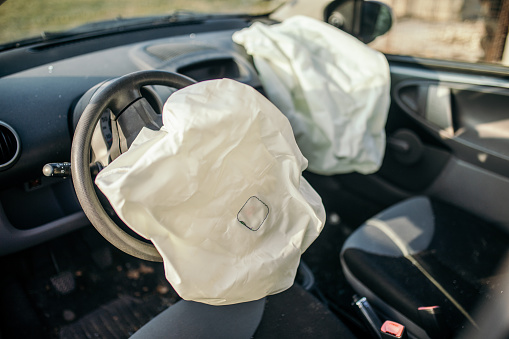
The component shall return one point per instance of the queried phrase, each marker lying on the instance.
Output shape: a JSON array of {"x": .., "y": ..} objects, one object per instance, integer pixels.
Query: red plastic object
[
  {"x": 428, "y": 308},
  {"x": 395, "y": 329}
]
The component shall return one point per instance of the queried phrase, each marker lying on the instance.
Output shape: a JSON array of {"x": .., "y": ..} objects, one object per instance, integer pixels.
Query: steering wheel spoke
[{"x": 128, "y": 124}]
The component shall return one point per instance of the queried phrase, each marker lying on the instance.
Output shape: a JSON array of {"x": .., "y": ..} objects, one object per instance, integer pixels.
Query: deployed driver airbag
[{"x": 219, "y": 191}]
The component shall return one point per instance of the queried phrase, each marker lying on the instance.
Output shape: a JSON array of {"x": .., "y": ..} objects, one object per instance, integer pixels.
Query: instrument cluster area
[{"x": 40, "y": 106}]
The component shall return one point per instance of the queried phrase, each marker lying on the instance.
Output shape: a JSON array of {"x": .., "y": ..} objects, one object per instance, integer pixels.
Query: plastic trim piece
[
  {"x": 13, "y": 239},
  {"x": 18, "y": 146},
  {"x": 436, "y": 65},
  {"x": 466, "y": 79}
]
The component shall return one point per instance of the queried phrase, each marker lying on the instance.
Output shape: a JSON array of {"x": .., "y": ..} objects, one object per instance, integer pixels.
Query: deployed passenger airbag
[{"x": 332, "y": 87}]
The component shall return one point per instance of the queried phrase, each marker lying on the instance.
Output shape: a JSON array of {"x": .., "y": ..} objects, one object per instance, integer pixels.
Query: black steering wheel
[{"x": 129, "y": 113}]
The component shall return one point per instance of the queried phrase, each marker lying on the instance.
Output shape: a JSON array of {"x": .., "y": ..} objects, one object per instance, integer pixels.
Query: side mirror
[{"x": 365, "y": 20}]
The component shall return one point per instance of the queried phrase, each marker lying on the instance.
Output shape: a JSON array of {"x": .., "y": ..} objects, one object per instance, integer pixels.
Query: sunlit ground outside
[
  {"x": 461, "y": 30},
  {"x": 21, "y": 19},
  {"x": 438, "y": 40}
]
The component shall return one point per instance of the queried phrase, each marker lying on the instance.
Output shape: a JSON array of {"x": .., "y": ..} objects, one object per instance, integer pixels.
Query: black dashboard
[{"x": 40, "y": 88}]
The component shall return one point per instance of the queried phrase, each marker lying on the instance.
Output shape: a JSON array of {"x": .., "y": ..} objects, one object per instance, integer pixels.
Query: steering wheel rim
[{"x": 114, "y": 95}]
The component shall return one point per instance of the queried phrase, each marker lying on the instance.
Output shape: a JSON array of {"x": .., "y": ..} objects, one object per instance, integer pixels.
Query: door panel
[
  {"x": 447, "y": 137},
  {"x": 474, "y": 189},
  {"x": 470, "y": 119}
]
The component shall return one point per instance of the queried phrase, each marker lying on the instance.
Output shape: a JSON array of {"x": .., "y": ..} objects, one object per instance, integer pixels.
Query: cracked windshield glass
[{"x": 23, "y": 19}]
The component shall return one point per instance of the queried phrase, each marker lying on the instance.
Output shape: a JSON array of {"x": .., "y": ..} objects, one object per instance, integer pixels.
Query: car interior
[{"x": 420, "y": 243}]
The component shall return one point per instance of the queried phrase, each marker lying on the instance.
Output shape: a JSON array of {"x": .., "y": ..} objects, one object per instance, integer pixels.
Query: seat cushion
[
  {"x": 295, "y": 313},
  {"x": 425, "y": 253}
]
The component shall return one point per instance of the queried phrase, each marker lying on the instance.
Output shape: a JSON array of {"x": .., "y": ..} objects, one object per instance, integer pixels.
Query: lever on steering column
[
  {"x": 57, "y": 169},
  {"x": 63, "y": 169}
]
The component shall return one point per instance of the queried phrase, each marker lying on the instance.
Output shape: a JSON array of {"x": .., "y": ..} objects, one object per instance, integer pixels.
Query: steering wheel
[{"x": 129, "y": 113}]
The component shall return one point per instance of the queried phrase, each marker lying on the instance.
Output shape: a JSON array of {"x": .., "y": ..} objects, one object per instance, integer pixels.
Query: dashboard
[{"x": 44, "y": 89}]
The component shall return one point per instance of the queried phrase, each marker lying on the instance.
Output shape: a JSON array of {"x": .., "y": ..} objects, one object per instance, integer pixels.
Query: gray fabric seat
[
  {"x": 422, "y": 253},
  {"x": 294, "y": 313}
]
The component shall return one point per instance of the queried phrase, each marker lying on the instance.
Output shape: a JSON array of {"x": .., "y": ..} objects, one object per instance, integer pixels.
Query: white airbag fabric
[
  {"x": 219, "y": 191},
  {"x": 333, "y": 89}
]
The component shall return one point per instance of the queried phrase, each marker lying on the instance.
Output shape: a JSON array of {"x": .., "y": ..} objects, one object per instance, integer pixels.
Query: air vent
[
  {"x": 9, "y": 146},
  {"x": 211, "y": 69}
]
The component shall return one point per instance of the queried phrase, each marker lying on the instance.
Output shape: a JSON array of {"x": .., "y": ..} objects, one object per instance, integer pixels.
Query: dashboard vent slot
[
  {"x": 211, "y": 69},
  {"x": 9, "y": 145},
  {"x": 166, "y": 52}
]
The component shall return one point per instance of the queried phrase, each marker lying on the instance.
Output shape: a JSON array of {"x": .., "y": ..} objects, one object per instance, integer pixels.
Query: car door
[{"x": 448, "y": 124}]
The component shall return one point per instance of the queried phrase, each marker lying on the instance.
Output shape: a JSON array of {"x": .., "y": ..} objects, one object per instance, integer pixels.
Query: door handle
[
  {"x": 438, "y": 110},
  {"x": 430, "y": 102}
]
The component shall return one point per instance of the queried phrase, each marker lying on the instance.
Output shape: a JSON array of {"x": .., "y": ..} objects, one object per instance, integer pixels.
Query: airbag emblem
[{"x": 253, "y": 214}]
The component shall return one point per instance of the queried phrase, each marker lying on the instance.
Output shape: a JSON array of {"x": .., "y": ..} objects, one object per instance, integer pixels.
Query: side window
[{"x": 460, "y": 30}]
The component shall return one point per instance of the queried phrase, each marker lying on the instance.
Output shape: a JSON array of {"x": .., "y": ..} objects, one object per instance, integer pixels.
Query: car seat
[
  {"x": 425, "y": 264},
  {"x": 294, "y": 313}
]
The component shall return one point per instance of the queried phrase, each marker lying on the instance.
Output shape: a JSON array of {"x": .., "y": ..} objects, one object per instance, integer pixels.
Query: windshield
[{"x": 24, "y": 19}]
